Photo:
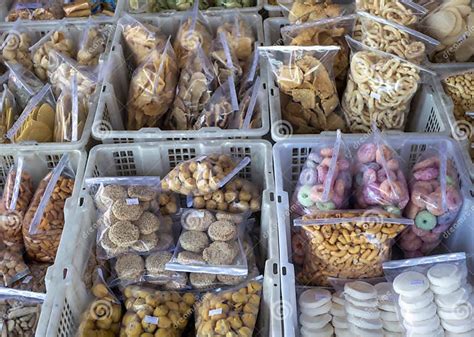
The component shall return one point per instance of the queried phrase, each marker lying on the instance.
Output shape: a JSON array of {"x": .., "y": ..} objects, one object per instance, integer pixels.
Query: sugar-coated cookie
[
  {"x": 411, "y": 284},
  {"x": 360, "y": 290},
  {"x": 314, "y": 298},
  {"x": 415, "y": 303}
]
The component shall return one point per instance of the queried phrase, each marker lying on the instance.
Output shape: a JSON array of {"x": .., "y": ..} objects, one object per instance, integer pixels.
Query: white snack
[
  {"x": 360, "y": 290},
  {"x": 419, "y": 314},
  {"x": 415, "y": 303},
  {"x": 392, "y": 326},
  {"x": 423, "y": 327},
  {"x": 444, "y": 274},
  {"x": 314, "y": 298},
  {"x": 464, "y": 334},
  {"x": 365, "y": 333},
  {"x": 447, "y": 289},
  {"x": 338, "y": 298},
  {"x": 388, "y": 306},
  {"x": 324, "y": 309},
  {"x": 340, "y": 332},
  {"x": 368, "y": 313},
  {"x": 318, "y": 322},
  {"x": 437, "y": 333},
  {"x": 384, "y": 289},
  {"x": 339, "y": 322},
  {"x": 371, "y": 303},
  {"x": 458, "y": 326},
  {"x": 411, "y": 284},
  {"x": 392, "y": 334},
  {"x": 461, "y": 312},
  {"x": 338, "y": 310},
  {"x": 327, "y": 331},
  {"x": 452, "y": 300},
  {"x": 370, "y": 324},
  {"x": 389, "y": 316}
]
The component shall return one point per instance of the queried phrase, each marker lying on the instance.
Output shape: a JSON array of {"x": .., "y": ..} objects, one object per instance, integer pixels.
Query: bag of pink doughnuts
[
  {"x": 379, "y": 179},
  {"x": 325, "y": 181},
  {"x": 435, "y": 201}
]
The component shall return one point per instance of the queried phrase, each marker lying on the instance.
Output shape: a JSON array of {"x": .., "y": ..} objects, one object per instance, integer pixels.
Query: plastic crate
[
  {"x": 274, "y": 10},
  {"x": 76, "y": 30},
  {"x": 289, "y": 157},
  {"x": 108, "y": 125},
  {"x": 38, "y": 163},
  {"x": 459, "y": 131},
  {"x": 158, "y": 159},
  {"x": 426, "y": 114}
]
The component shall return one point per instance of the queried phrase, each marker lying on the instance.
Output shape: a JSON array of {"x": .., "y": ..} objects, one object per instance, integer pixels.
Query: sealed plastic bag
[
  {"x": 325, "y": 180},
  {"x": 435, "y": 201},
  {"x": 16, "y": 198},
  {"x": 194, "y": 90},
  {"x": 8, "y": 112},
  {"x": 249, "y": 114},
  {"x": 166, "y": 313},
  {"x": 396, "y": 39},
  {"x": 221, "y": 108},
  {"x": 224, "y": 60},
  {"x": 36, "y": 122},
  {"x": 300, "y": 11},
  {"x": 193, "y": 32},
  {"x": 140, "y": 38},
  {"x": 379, "y": 89},
  {"x": 305, "y": 75},
  {"x": 152, "y": 88},
  {"x": 379, "y": 179},
  {"x": 71, "y": 114},
  {"x": 326, "y": 32},
  {"x": 347, "y": 244},
  {"x": 239, "y": 35},
  {"x": 35, "y": 280},
  {"x": 44, "y": 221},
  {"x": 22, "y": 83},
  {"x": 202, "y": 175},
  {"x": 35, "y": 10},
  {"x": 15, "y": 46},
  {"x": 93, "y": 43},
  {"x": 403, "y": 12},
  {"x": 457, "y": 84},
  {"x": 12, "y": 265},
  {"x": 230, "y": 312},
  {"x": 250, "y": 72}
]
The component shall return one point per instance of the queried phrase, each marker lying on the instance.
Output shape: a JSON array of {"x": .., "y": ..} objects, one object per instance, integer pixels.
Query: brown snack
[
  {"x": 148, "y": 223},
  {"x": 123, "y": 233},
  {"x": 16, "y": 49},
  {"x": 20, "y": 315},
  {"x": 142, "y": 39},
  {"x": 12, "y": 265},
  {"x": 168, "y": 203},
  {"x": 231, "y": 279},
  {"x": 460, "y": 87},
  {"x": 220, "y": 253},
  {"x": 93, "y": 45},
  {"x": 35, "y": 281},
  {"x": 202, "y": 281},
  {"x": 142, "y": 193},
  {"x": 60, "y": 75},
  {"x": 63, "y": 126},
  {"x": 123, "y": 211},
  {"x": 240, "y": 38},
  {"x": 110, "y": 193},
  {"x": 130, "y": 268},
  {"x": 43, "y": 245},
  {"x": 222, "y": 231},
  {"x": 224, "y": 60},
  {"x": 188, "y": 38},
  {"x": 313, "y": 10},
  {"x": 193, "y": 241},
  {"x": 186, "y": 257},
  {"x": 146, "y": 243},
  {"x": 392, "y": 10},
  {"x": 37, "y": 10}
]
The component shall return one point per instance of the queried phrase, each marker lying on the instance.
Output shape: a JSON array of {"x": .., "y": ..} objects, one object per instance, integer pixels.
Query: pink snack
[
  {"x": 387, "y": 154},
  {"x": 326, "y": 152},
  {"x": 426, "y": 174},
  {"x": 366, "y": 153}
]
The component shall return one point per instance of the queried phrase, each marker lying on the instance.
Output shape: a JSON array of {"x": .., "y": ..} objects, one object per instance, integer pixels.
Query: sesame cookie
[
  {"x": 155, "y": 263},
  {"x": 194, "y": 241},
  {"x": 201, "y": 280},
  {"x": 122, "y": 211},
  {"x": 148, "y": 223},
  {"x": 111, "y": 193},
  {"x": 222, "y": 231},
  {"x": 124, "y": 233},
  {"x": 235, "y": 218},
  {"x": 110, "y": 247},
  {"x": 197, "y": 220},
  {"x": 230, "y": 280},
  {"x": 165, "y": 242},
  {"x": 146, "y": 243},
  {"x": 142, "y": 193},
  {"x": 129, "y": 267},
  {"x": 190, "y": 258},
  {"x": 220, "y": 253}
]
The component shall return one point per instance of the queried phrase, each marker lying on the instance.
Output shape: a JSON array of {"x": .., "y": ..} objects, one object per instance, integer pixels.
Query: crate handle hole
[
  {"x": 275, "y": 269},
  {"x": 279, "y": 199},
  {"x": 65, "y": 273},
  {"x": 283, "y": 271},
  {"x": 272, "y": 196},
  {"x": 81, "y": 202}
]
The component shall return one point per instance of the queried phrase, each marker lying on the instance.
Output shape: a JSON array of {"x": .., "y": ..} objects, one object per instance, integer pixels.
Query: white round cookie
[
  {"x": 418, "y": 302},
  {"x": 411, "y": 284},
  {"x": 368, "y": 313},
  {"x": 392, "y": 334},
  {"x": 464, "y": 334},
  {"x": 452, "y": 300},
  {"x": 338, "y": 310},
  {"x": 360, "y": 290},
  {"x": 314, "y": 298},
  {"x": 384, "y": 289},
  {"x": 388, "y": 306},
  {"x": 389, "y": 316},
  {"x": 420, "y": 314},
  {"x": 318, "y": 322},
  {"x": 437, "y": 333},
  {"x": 365, "y": 333},
  {"x": 392, "y": 326},
  {"x": 339, "y": 322},
  {"x": 324, "y": 309},
  {"x": 422, "y": 327},
  {"x": 326, "y": 331},
  {"x": 444, "y": 274},
  {"x": 458, "y": 326},
  {"x": 371, "y": 303},
  {"x": 446, "y": 289},
  {"x": 338, "y": 297},
  {"x": 369, "y": 324},
  {"x": 341, "y": 332}
]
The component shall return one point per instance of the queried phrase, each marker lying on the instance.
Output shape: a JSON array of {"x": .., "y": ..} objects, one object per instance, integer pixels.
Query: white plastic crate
[
  {"x": 158, "y": 159},
  {"x": 76, "y": 30},
  {"x": 426, "y": 114},
  {"x": 289, "y": 157},
  {"x": 38, "y": 163},
  {"x": 108, "y": 125},
  {"x": 273, "y": 10}
]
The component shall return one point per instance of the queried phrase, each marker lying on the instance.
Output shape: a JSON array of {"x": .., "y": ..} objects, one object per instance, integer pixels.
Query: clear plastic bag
[
  {"x": 22, "y": 83},
  {"x": 93, "y": 43},
  {"x": 16, "y": 198},
  {"x": 224, "y": 60},
  {"x": 403, "y": 12},
  {"x": 229, "y": 312},
  {"x": 300, "y": 11},
  {"x": 251, "y": 70},
  {"x": 12, "y": 265},
  {"x": 346, "y": 244},
  {"x": 249, "y": 114},
  {"x": 221, "y": 108},
  {"x": 44, "y": 221},
  {"x": 152, "y": 88},
  {"x": 305, "y": 75},
  {"x": 379, "y": 177},
  {"x": 326, "y": 32},
  {"x": 393, "y": 38},
  {"x": 35, "y": 280},
  {"x": 140, "y": 38},
  {"x": 325, "y": 180},
  {"x": 35, "y": 10},
  {"x": 167, "y": 313},
  {"x": 239, "y": 36},
  {"x": 210, "y": 243},
  {"x": 379, "y": 89},
  {"x": 202, "y": 175},
  {"x": 15, "y": 46},
  {"x": 457, "y": 84},
  {"x": 8, "y": 112},
  {"x": 194, "y": 90},
  {"x": 435, "y": 201}
]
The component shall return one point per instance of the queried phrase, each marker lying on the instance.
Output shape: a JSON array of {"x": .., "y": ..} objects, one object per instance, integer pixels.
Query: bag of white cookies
[
  {"x": 36, "y": 122},
  {"x": 224, "y": 60},
  {"x": 23, "y": 83},
  {"x": 249, "y": 115},
  {"x": 152, "y": 88},
  {"x": 404, "y": 12},
  {"x": 379, "y": 88},
  {"x": 93, "y": 43},
  {"x": 8, "y": 112},
  {"x": 15, "y": 46},
  {"x": 300, "y": 11},
  {"x": 393, "y": 38},
  {"x": 239, "y": 35},
  {"x": 304, "y": 75},
  {"x": 203, "y": 174},
  {"x": 346, "y": 244},
  {"x": 325, "y": 180},
  {"x": 229, "y": 312}
]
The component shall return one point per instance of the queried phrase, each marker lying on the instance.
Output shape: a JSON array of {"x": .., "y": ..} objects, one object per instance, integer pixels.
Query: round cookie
[
  {"x": 148, "y": 223},
  {"x": 411, "y": 284},
  {"x": 235, "y": 218},
  {"x": 230, "y": 280},
  {"x": 314, "y": 298},
  {"x": 326, "y": 331},
  {"x": 458, "y": 326},
  {"x": 423, "y": 327},
  {"x": 389, "y": 316},
  {"x": 313, "y": 323},
  {"x": 194, "y": 241},
  {"x": 365, "y": 332},
  {"x": 343, "y": 332},
  {"x": 392, "y": 326},
  {"x": 124, "y": 233},
  {"x": 155, "y": 263},
  {"x": 222, "y": 231},
  {"x": 122, "y": 211},
  {"x": 186, "y": 257},
  {"x": 110, "y": 247},
  {"x": 321, "y": 310},
  {"x": 129, "y": 267},
  {"x": 420, "y": 314},
  {"x": 370, "y": 324},
  {"x": 362, "y": 312},
  {"x": 371, "y": 303},
  {"x": 220, "y": 253},
  {"x": 444, "y": 274},
  {"x": 338, "y": 297},
  {"x": 339, "y": 322},
  {"x": 392, "y": 334},
  {"x": 201, "y": 280},
  {"x": 464, "y": 334},
  {"x": 338, "y": 310},
  {"x": 111, "y": 193},
  {"x": 142, "y": 193},
  {"x": 197, "y": 220},
  {"x": 452, "y": 300},
  {"x": 448, "y": 289},
  {"x": 360, "y": 290},
  {"x": 145, "y": 243}
]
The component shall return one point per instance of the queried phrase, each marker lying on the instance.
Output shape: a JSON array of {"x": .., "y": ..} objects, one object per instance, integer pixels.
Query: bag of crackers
[
  {"x": 346, "y": 244},
  {"x": 249, "y": 115},
  {"x": 8, "y": 112}
]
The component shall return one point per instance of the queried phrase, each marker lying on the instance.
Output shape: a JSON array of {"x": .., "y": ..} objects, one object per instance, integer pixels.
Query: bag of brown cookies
[
  {"x": 8, "y": 112},
  {"x": 224, "y": 60},
  {"x": 249, "y": 114},
  {"x": 240, "y": 36},
  {"x": 16, "y": 44},
  {"x": 300, "y": 11},
  {"x": 93, "y": 43},
  {"x": 23, "y": 83}
]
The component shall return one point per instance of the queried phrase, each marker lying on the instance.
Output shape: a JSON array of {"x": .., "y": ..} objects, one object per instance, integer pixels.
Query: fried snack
[
  {"x": 63, "y": 127},
  {"x": 312, "y": 10},
  {"x": 93, "y": 46},
  {"x": 38, "y": 126},
  {"x": 16, "y": 49},
  {"x": 240, "y": 37},
  {"x": 392, "y": 10},
  {"x": 142, "y": 39},
  {"x": 7, "y": 113},
  {"x": 460, "y": 87},
  {"x": 191, "y": 34}
]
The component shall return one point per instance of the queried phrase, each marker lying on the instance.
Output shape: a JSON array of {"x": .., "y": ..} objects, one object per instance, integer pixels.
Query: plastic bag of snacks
[
  {"x": 202, "y": 175},
  {"x": 457, "y": 83},
  {"x": 326, "y": 32},
  {"x": 224, "y": 60},
  {"x": 162, "y": 313},
  {"x": 193, "y": 32},
  {"x": 393, "y": 38},
  {"x": 250, "y": 73},
  {"x": 239, "y": 36},
  {"x": 17, "y": 195},
  {"x": 403, "y": 12},
  {"x": 8, "y": 112},
  {"x": 229, "y": 312},
  {"x": 435, "y": 297},
  {"x": 93, "y": 43},
  {"x": 346, "y": 244},
  {"x": 152, "y": 88},
  {"x": 210, "y": 243},
  {"x": 249, "y": 114},
  {"x": 300, "y": 11},
  {"x": 435, "y": 201},
  {"x": 44, "y": 221},
  {"x": 195, "y": 86},
  {"x": 35, "y": 10},
  {"x": 16, "y": 45},
  {"x": 379, "y": 89},
  {"x": 35, "y": 280},
  {"x": 140, "y": 38},
  {"x": 36, "y": 122},
  {"x": 12, "y": 266},
  {"x": 305, "y": 75},
  {"x": 325, "y": 180},
  {"x": 380, "y": 180},
  {"x": 22, "y": 83}
]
